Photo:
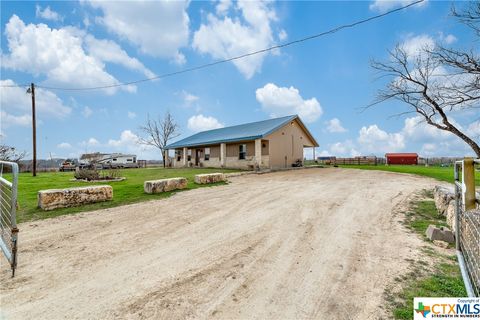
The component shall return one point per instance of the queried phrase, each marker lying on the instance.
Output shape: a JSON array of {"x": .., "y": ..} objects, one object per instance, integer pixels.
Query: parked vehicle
[
  {"x": 68, "y": 165},
  {"x": 110, "y": 160}
]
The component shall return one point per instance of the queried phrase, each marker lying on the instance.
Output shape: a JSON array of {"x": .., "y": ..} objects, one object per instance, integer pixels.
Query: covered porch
[{"x": 249, "y": 154}]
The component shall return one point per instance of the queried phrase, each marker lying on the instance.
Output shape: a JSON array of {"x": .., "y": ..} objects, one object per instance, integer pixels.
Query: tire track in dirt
[{"x": 304, "y": 244}]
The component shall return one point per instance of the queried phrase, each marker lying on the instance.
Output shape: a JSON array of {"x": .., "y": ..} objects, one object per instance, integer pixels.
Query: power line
[{"x": 203, "y": 66}]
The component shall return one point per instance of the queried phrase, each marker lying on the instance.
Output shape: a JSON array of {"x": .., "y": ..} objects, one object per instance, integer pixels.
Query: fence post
[
  {"x": 458, "y": 194},
  {"x": 468, "y": 181}
]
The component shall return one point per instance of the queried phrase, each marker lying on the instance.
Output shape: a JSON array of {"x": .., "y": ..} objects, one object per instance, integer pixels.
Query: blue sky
[{"x": 326, "y": 81}]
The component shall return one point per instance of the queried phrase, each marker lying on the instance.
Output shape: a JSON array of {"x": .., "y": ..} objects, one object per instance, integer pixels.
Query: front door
[{"x": 197, "y": 156}]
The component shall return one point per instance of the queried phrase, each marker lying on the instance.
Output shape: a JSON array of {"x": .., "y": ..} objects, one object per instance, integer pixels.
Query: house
[
  {"x": 401, "y": 158},
  {"x": 273, "y": 143},
  {"x": 110, "y": 160}
]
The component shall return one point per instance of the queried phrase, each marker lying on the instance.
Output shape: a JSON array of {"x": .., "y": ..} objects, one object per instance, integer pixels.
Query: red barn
[{"x": 401, "y": 158}]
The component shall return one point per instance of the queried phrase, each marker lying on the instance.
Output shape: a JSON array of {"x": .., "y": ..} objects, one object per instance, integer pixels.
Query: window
[
  {"x": 129, "y": 160},
  {"x": 207, "y": 154},
  {"x": 189, "y": 158},
  {"x": 242, "y": 151},
  {"x": 178, "y": 154},
  {"x": 114, "y": 159}
]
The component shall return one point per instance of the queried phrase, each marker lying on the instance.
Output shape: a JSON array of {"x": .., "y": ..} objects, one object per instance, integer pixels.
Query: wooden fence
[{"x": 370, "y": 161}]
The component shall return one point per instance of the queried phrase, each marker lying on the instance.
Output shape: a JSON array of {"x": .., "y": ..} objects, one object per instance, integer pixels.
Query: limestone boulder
[
  {"x": 71, "y": 197},
  {"x": 441, "y": 244},
  {"x": 443, "y": 196},
  {"x": 209, "y": 178},
  {"x": 442, "y": 234},
  {"x": 450, "y": 213},
  {"x": 164, "y": 185}
]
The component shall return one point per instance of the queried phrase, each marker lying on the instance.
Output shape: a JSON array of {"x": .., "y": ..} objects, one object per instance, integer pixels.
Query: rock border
[
  {"x": 164, "y": 185},
  {"x": 72, "y": 197}
]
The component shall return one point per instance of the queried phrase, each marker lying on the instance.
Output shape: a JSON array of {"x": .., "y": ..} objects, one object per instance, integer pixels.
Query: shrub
[{"x": 87, "y": 174}]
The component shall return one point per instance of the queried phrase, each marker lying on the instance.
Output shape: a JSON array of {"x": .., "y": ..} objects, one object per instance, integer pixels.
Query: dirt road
[{"x": 316, "y": 243}]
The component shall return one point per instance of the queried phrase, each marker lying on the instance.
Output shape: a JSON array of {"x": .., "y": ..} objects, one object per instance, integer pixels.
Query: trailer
[{"x": 110, "y": 160}]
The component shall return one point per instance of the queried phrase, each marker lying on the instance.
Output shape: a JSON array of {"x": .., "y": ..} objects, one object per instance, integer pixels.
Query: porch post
[
  {"x": 314, "y": 159},
  {"x": 223, "y": 154},
  {"x": 165, "y": 157},
  {"x": 184, "y": 159},
  {"x": 258, "y": 152}
]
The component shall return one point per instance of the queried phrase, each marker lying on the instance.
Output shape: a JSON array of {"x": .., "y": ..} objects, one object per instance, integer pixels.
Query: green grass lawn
[
  {"x": 128, "y": 191},
  {"x": 434, "y": 274},
  {"x": 436, "y": 172}
]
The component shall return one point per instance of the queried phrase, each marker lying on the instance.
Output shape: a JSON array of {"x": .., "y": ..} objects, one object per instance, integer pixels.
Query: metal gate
[
  {"x": 8, "y": 207},
  {"x": 467, "y": 224}
]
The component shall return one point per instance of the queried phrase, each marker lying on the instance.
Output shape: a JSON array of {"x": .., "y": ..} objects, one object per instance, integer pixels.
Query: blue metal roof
[{"x": 247, "y": 131}]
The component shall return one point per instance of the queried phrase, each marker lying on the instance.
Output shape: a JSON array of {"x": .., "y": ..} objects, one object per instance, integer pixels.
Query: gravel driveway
[{"x": 303, "y": 244}]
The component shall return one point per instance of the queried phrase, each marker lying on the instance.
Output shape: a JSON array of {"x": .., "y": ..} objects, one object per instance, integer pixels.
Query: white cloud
[
  {"x": 59, "y": 54},
  {"x": 158, "y": 28},
  {"x": 128, "y": 142},
  {"x": 87, "y": 112},
  {"x": 109, "y": 51},
  {"x": 86, "y": 22},
  {"x": 386, "y": 5},
  {"x": 447, "y": 39},
  {"x": 47, "y": 14},
  {"x": 189, "y": 98},
  {"x": 474, "y": 129},
  {"x": 280, "y": 101},
  {"x": 416, "y": 129},
  {"x": 417, "y": 136},
  {"x": 47, "y": 103},
  {"x": 343, "y": 149},
  {"x": 223, "y": 6},
  {"x": 339, "y": 148},
  {"x": 12, "y": 120},
  {"x": 127, "y": 138},
  {"x": 16, "y": 104},
  {"x": 414, "y": 136},
  {"x": 373, "y": 140},
  {"x": 92, "y": 142},
  {"x": 335, "y": 126},
  {"x": 131, "y": 115},
  {"x": 64, "y": 145},
  {"x": 282, "y": 35},
  {"x": 202, "y": 123},
  {"x": 428, "y": 149},
  {"x": 415, "y": 45},
  {"x": 226, "y": 37}
]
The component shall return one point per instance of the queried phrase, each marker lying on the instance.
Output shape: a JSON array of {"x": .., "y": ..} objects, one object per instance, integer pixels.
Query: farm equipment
[{"x": 68, "y": 165}]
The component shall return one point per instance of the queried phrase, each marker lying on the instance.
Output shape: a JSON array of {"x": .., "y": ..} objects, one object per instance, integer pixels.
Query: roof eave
[{"x": 209, "y": 143}]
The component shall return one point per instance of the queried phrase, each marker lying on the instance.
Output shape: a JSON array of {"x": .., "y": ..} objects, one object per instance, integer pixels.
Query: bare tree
[
  {"x": 158, "y": 133},
  {"x": 8, "y": 153},
  {"x": 470, "y": 16},
  {"x": 435, "y": 81}
]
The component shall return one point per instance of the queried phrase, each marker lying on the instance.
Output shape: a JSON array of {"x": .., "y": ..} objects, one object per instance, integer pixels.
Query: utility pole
[{"x": 31, "y": 90}]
